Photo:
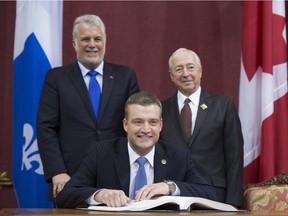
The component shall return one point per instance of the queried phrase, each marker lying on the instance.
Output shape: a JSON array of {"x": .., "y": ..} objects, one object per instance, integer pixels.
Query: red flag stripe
[{"x": 263, "y": 98}]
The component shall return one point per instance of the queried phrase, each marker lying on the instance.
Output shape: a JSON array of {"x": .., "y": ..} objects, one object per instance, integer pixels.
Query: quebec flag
[{"x": 37, "y": 47}]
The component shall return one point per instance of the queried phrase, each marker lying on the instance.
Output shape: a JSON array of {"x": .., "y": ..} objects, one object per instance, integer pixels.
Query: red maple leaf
[{"x": 263, "y": 43}]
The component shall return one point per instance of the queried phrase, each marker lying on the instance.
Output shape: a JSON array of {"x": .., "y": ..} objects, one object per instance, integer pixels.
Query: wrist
[{"x": 171, "y": 187}]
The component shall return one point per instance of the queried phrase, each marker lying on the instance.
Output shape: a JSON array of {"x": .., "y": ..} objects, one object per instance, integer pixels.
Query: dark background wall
[{"x": 142, "y": 35}]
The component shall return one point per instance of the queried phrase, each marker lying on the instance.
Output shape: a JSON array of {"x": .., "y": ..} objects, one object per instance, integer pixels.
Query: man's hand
[
  {"x": 149, "y": 191},
  {"x": 59, "y": 182},
  {"x": 112, "y": 198}
]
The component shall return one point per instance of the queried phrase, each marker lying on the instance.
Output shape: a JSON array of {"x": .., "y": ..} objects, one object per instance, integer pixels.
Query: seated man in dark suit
[{"x": 107, "y": 175}]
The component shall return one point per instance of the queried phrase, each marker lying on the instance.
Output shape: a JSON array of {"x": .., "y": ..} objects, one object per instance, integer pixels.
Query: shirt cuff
[
  {"x": 91, "y": 201},
  {"x": 177, "y": 191}
]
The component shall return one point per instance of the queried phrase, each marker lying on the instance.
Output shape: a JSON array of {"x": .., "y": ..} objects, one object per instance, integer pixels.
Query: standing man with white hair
[
  {"x": 207, "y": 124},
  {"x": 81, "y": 103}
]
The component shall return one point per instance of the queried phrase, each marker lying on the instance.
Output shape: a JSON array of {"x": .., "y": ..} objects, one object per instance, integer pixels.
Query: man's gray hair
[
  {"x": 195, "y": 56},
  {"x": 90, "y": 19}
]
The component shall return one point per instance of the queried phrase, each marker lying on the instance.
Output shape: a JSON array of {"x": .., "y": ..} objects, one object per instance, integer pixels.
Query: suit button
[{"x": 98, "y": 132}]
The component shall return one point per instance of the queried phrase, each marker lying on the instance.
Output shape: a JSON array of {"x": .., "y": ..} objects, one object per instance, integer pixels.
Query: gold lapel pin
[
  {"x": 163, "y": 161},
  {"x": 203, "y": 106}
]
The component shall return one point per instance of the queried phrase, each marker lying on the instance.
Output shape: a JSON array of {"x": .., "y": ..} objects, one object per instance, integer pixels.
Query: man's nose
[
  {"x": 185, "y": 72},
  {"x": 146, "y": 127},
  {"x": 92, "y": 43}
]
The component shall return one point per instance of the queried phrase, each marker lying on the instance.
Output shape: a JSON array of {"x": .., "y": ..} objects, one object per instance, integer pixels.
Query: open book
[{"x": 184, "y": 203}]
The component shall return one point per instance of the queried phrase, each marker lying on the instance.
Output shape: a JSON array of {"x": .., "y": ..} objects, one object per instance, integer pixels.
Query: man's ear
[
  {"x": 161, "y": 124},
  {"x": 171, "y": 76},
  {"x": 74, "y": 44},
  {"x": 125, "y": 124}
]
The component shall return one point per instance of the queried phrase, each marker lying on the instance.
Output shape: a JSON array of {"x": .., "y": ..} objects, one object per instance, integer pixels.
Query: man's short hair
[
  {"x": 142, "y": 98},
  {"x": 195, "y": 56},
  {"x": 90, "y": 19}
]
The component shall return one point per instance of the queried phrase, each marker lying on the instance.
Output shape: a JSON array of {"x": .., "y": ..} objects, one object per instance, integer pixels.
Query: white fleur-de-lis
[{"x": 30, "y": 151}]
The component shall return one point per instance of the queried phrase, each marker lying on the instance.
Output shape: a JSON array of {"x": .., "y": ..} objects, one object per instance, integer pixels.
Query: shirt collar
[
  {"x": 195, "y": 97},
  {"x": 133, "y": 156},
  {"x": 84, "y": 70}
]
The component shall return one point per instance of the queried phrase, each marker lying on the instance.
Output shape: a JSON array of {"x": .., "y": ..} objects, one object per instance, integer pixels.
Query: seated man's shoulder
[
  {"x": 109, "y": 143},
  {"x": 173, "y": 148}
]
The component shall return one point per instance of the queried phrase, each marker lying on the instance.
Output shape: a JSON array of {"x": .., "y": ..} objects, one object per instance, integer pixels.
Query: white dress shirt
[
  {"x": 86, "y": 76},
  {"x": 149, "y": 169}
]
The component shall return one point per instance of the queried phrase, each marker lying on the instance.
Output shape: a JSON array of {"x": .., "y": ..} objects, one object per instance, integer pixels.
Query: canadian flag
[{"x": 263, "y": 97}]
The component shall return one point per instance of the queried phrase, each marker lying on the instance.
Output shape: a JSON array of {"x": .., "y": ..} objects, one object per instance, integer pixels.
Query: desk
[{"x": 71, "y": 212}]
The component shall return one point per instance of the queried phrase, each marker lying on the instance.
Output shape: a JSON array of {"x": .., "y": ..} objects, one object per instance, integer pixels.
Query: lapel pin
[
  {"x": 203, "y": 106},
  {"x": 111, "y": 77},
  {"x": 163, "y": 161}
]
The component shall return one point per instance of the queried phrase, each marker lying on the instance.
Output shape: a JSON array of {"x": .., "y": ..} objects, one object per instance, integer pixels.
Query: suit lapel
[
  {"x": 108, "y": 82},
  {"x": 160, "y": 163},
  {"x": 79, "y": 84},
  {"x": 175, "y": 117},
  {"x": 201, "y": 115},
  {"x": 122, "y": 164}
]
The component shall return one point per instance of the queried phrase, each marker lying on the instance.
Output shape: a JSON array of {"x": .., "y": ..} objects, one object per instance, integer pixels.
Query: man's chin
[
  {"x": 92, "y": 62},
  {"x": 146, "y": 143}
]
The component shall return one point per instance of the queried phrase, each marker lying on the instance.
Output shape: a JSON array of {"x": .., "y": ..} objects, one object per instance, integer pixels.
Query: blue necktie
[
  {"x": 140, "y": 179},
  {"x": 94, "y": 92}
]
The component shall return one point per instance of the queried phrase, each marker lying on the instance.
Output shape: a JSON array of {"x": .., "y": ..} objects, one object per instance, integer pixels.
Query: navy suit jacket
[
  {"x": 216, "y": 144},
  {"x": 107, "y": 166},
  {"x": 66, "y": 125}
]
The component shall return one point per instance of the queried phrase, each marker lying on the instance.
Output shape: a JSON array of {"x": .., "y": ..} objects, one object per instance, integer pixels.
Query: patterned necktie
[
  {"x": 140, "y": 179},
  {"x": 186, "y": 119},
  {"x": 94, "y": 92}
]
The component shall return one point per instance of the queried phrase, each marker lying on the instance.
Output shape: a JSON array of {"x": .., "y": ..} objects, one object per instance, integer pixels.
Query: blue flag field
[{"x": 34, "y": 53}]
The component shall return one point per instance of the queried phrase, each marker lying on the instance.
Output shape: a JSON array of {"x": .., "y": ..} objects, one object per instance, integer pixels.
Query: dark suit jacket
[
  {"x": 66, "y": 125},
  {"x": 107, "y": 166},
  {"x": 216, "y": 145}
]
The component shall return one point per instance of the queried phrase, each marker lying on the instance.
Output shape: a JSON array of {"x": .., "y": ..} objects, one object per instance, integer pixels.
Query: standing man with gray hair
[
  {"x": 207, "y": 124},
  {"x": 81, "y": 103}
]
